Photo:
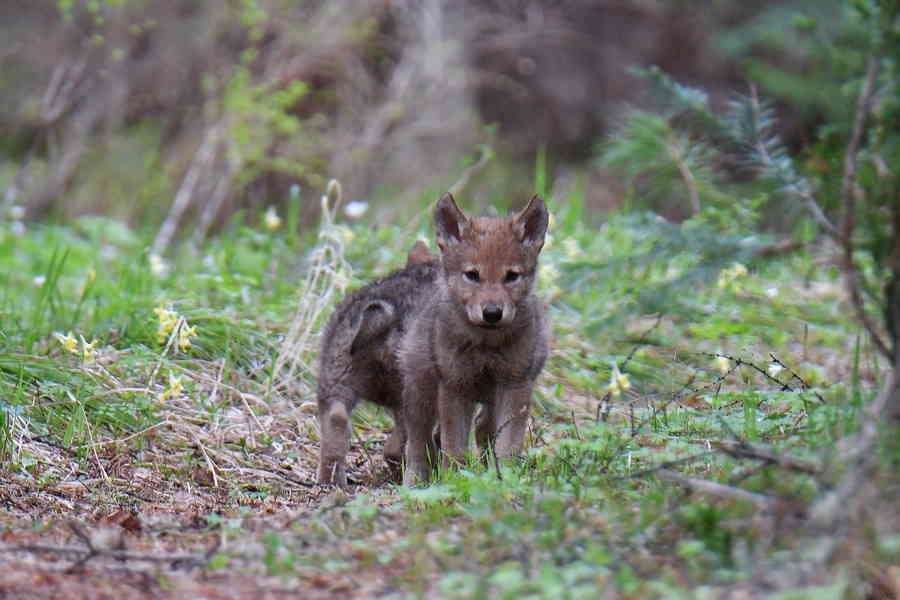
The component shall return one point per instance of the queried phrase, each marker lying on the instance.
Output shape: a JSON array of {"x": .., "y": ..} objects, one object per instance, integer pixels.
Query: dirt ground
[{"x": 128, "y": 529}]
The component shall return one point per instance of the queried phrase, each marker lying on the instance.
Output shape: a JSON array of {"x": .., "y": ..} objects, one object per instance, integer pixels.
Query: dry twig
[
  {"x": 721, "y": 490},
  {"x": 861, "y": 457},
  {"x": 848, "y": 206},
  {"x": 743, "y": 449}
]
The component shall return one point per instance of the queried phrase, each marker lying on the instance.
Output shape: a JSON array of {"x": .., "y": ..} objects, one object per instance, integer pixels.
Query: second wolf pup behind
[{"x": 478, "y": 336}]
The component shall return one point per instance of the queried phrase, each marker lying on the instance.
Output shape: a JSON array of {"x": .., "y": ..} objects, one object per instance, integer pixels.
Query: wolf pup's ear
[
  {"x": 449, "y": 222},
  {"x": 530, "y": 225},
  {"x": 419, "y": 255}
]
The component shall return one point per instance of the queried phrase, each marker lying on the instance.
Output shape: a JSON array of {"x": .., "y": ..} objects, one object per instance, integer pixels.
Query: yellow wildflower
[
  {"x": 170, "y": 321},
  {"x": 728, "y": 277},
  {"x": 68, "y": 342},
  {"x": 173, "y": 390},
  {"x": 167, "y": 320},
  {"x": 185, "y": 334},
  {"x": 618, "y": 381},
  {"x": 271, "y": 219},
  {"x": 87, "y": 349}
]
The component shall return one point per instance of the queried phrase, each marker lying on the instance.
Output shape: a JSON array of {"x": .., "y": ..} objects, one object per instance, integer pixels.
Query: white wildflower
[
  {"x": 722, "y": 364},
  {"x": 571, "y": 248},
  {"x": 157, "y": 265},
  {"x": 356, "y": 209}
]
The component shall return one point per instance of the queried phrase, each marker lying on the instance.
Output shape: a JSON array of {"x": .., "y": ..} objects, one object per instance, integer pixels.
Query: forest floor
[{"x": 159, "y": 437}]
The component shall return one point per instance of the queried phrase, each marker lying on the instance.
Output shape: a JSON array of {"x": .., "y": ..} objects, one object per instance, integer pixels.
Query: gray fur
[
  {"x": 358, "y": 361},
  {"x": 437, "y": 338}
]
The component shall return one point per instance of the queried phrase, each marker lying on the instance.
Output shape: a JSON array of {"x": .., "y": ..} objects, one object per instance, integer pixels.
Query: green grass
[{"x": 582, "y": 511}]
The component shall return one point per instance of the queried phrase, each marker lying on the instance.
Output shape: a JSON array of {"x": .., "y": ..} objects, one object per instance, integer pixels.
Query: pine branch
[
  {"x": 672, "y": 96},
  {"x": 750, "y": 123}
]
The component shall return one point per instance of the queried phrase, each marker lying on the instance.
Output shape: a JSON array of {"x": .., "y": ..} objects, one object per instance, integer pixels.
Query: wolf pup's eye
[
  {"x": 472, "y": 275},
  {"x": 512, "y": 276}
]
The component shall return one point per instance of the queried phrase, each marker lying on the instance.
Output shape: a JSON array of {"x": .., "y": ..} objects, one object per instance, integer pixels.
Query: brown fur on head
[{"x": 489, "y": 263}]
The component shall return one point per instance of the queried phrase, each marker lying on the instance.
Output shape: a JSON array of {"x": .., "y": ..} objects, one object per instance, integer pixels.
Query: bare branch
[
  {"x": 199, "y": 168},
  {"x": 172, "y": 559},
  {"x": 721, "y": 490},
  {"x": 862, "y": 456},
  {"x": 746, "y": 450},
  {"x": 666, "y": 466},
  {"x": 485, "y": 157},
  {"x": 848, "y": 206},
  {"x": 677, "y": 155},
  {"x": 740, "y": 361},
  {"x": 819, "y": 215},
  {"x": 794, "y": 375}
]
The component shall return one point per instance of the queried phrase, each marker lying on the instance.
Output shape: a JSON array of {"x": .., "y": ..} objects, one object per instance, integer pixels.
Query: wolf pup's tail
[{"x": 375, "y": 319}]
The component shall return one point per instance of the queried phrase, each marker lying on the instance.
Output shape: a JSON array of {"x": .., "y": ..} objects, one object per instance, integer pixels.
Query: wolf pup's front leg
[
  {"x": 420, "y": 395},
  {"x": 455, "y": 411},
  {"x": 510, "y": 418}
]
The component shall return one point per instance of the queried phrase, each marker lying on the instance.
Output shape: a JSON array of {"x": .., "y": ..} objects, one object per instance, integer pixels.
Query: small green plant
[
  {"x": 278, "y": 559},
  {"x": 257, "y": 114},
  {"x": 705, "y": 522}
]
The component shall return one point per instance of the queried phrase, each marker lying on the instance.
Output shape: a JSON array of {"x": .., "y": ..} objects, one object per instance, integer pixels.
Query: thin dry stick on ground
[
  {"x": 721, "y": 490},
  {"x": 744, "y": 449}
]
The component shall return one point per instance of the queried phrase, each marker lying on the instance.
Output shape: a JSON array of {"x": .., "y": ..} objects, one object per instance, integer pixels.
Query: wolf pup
[
  {"x": 478, "y": 337},
  {"x": 358, "y": 360}
]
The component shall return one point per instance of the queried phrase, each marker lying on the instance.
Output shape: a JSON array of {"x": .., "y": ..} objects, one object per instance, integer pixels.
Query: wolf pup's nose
[{"x": 492, "y": 313}]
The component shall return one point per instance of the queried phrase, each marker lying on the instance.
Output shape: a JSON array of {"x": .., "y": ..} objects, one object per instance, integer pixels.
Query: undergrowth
[{"x": 671, "y": 345}]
